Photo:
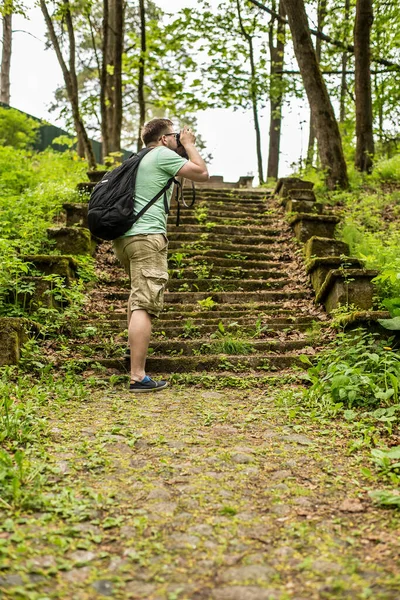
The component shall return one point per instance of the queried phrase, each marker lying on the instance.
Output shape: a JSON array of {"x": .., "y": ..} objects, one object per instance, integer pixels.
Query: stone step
[
  {"x": 223, "y": 230},
  {"x": 229, "y": 297},
  {"x": 229, "y": 197},
  {"x": 230, "y": 273},
  {"x": 247, "y": 249},
  {"x": 228, "y": 210},
  {"x": 234, "y": 239},
  {"x": 245, "y": 219},
  {"x": 208, "y": 285},
  {"x": 195, "y": 328},
  {"x": 225, "y": 285},
  {"x": 201, "y": 347},
  {"x": 186, "y": 364},
  {"x": 194, "y": 275},
  {"x": 222, "y": 262},
  {"x": 193, "y": 310}
]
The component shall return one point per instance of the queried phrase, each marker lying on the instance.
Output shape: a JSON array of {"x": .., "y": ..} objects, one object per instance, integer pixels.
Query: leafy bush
[
  {"x": 17, "y": 129},
  {"x": 354, "y": 371},
  {"x": 387, "y": 170}
]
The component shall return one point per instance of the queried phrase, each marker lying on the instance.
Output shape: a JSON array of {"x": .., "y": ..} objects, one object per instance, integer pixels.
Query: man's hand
[
  {"x": 187, "y": 137},
  {"x": 195, "y": 169}
]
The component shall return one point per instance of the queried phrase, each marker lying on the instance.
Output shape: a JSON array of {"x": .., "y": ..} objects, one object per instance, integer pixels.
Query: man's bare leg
[{"x": 139, "y": 338}]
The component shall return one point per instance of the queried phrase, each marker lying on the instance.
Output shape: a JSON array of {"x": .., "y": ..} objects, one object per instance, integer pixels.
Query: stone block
[
  {"x": 14, "y": 332},
  {"x": 34, "y": 293},
  {"x": 318, "y": 268},
  {"x": 96, "y": 176},
  {"x": 321, "y": 246},
  {"x": 65, "y": 266},
  {"x": 303, "y": 206},
  {"x": 351, "y": 287},
  {"x": 302, "y": 194},
  {"x": 286, "y": 185},
  {"x": 246, "y": 181},
  {"x": 86, "y": 187},
  {"x": 76, "y": 214},
  {"x": 72, "y": 240},
  {"x": 306, "y": 225}
]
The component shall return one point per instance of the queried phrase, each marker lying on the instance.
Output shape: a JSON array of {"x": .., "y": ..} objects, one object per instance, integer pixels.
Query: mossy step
[
  {"x": 227, "y": 273},
  {"x": 244, "y": 220},
  {"x": 224, "y": 238},
  {"x": 187, "y": 364},
  {"x": 219, "y": 380},
  {"x": 231, "y": 196},
  {"x": 194, "y": 329},
  {"x": 224, "y": 230},
  {"x": 245, "y": 247},
  {"x": 201, "y": 347},
  {"x": 231, "y": 210},
  {"x": 208, "y": 285},
  {"x": 187, "y": 310},
  {"x": 262, "y": 255},
  {"x": 219, "y": 297},
  {"x": 189, "y": 275},
  {"x": 225, "y": 263}
]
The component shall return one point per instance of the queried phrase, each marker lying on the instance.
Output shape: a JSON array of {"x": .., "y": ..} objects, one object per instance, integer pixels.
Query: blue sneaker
[{"x": 147, "y": 385}]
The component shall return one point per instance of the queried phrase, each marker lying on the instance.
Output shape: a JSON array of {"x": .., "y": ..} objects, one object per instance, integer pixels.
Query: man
[{"x": 143, "y": 249}]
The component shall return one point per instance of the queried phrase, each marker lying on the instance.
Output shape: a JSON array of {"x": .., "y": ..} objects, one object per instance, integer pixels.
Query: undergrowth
[{"x": 355, "y": 380}]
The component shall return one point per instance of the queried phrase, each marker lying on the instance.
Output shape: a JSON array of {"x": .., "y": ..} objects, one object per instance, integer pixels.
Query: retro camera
[{"x": 180, "y": 149}]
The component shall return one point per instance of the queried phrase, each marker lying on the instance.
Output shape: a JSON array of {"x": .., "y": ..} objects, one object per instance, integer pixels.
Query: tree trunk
[
  {"x": 105, "y": 144},
  {"x": 276, "y": 98},
  {"x": 141, "y": 98},
  {"x": 364, "y": 132},
  {"x": 253, "y": 93},
  {"x": 345, "y": 59},
  {"x": 6, "y": 59},
  {"x": 321, "y": 12},
  {"x": 255, "y": 113},
  {"x": 70, "y": 78},
  {"x": 326, "y": 127},
  {"x": 113, "y": 21}
]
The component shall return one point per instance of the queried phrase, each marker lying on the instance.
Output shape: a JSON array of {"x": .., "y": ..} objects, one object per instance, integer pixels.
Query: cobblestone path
[
  {"x": 195, "y": 495},
  {"x": 202, "y": 492}
]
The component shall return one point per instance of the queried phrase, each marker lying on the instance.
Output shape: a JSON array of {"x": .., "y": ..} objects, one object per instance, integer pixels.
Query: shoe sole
[{"x": 155, "y": 389}]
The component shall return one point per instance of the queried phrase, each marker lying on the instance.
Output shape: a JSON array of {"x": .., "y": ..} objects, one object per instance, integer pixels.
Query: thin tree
[
  {"x": 321, "y": 15},
  {"x": 141, "y": 97},
  {"x": 345, "y": 60},
  {"x": 6, "y": 59},
  {"x": 253, "y": 92},
  {"x": 277, "y": 50},
  {"x": 111, "y": 75},
  {"x": 362, "y": 55},
  {"x": 326, "y": 127},
  {"x": 69, "y": 74}
]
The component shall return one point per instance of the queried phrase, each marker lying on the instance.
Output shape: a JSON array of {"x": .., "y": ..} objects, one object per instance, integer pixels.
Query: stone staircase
[{"x": 238, "y": 300}]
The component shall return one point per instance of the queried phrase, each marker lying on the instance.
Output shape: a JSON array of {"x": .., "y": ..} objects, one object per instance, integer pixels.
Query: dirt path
[{"x": 194, "y": 495}]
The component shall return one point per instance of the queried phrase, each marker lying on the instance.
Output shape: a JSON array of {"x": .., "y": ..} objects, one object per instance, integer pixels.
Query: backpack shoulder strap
[{"x": 156, "y": 197}]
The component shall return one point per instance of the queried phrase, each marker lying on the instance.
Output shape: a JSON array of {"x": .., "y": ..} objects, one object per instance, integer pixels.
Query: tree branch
[{"x": 327, "y": 38}]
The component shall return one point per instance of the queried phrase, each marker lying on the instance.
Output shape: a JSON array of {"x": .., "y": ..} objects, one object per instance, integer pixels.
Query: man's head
[{"x": 159, "y": 132}]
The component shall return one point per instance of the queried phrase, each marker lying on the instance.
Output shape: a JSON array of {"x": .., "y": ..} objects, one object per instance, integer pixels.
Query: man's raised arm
[{"x": 195, "y": 169}]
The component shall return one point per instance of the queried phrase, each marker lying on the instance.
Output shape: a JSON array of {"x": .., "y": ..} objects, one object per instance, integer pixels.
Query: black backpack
[{"x": 111, "y": 204}]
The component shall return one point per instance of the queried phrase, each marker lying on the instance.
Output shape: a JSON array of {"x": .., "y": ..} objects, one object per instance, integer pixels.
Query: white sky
[{"x": 35, "y": 75}]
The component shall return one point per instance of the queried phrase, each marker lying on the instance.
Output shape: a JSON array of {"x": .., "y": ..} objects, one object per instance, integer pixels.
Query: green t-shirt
[{"x": 155, "y": 169}]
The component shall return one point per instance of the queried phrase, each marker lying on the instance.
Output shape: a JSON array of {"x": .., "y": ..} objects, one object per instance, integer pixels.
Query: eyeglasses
[{"x": 175, "y": 134}]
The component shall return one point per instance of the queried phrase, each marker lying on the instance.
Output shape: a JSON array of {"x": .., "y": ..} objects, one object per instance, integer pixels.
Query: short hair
[{"x": 154, "y": 129}]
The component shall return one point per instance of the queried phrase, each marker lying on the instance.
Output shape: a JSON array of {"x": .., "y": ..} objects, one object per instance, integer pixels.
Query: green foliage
[
  {"x": 17, "y": 129},
  {"x": 207, "y": 304},
  {"x": 33, "y": 188},
  {"x": 354, "y": 371},
  {"x": 387, "y": 170}
]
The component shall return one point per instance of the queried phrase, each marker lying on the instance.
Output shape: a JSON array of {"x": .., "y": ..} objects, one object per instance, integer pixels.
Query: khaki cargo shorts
[{"x": 144, "y": 258}]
